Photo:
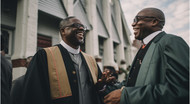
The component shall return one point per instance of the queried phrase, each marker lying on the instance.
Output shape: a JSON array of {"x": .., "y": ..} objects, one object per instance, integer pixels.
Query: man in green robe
[{"x": 160, "y": 70}]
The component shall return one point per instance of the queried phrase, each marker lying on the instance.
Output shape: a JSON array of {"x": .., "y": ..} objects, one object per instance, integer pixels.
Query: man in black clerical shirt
[{"x": 62, "y": 74}]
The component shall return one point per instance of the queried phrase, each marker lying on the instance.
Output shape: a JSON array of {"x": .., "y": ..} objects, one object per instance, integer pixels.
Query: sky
[{"x": 176, "y": 14}]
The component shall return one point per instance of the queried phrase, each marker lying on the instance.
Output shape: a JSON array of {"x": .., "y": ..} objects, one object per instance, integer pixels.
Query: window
[
  {"x": 101, "y": 46},
  {"x": 43, "y": 42},
  {"x": 7, "y": 38},
  {"x": 115, "y": 51}
]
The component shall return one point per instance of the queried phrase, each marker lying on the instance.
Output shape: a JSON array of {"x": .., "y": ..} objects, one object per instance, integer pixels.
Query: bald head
[
  {"x": 155, "y": 13},
  {"x": 147, "y": 21}
]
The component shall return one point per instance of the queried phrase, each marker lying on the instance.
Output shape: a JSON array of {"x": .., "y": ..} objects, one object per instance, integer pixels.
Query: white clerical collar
[
  {"x": 147, "y": 39},
  {"x": 69, "y": 48}
]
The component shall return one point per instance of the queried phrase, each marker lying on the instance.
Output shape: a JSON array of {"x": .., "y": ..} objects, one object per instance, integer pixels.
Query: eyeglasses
[
  {"x": 78, "y": 26},
  {"x": 138, "y": 18}
]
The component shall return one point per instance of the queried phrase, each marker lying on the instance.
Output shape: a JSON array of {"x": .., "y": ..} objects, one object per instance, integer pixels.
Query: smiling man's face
[
  {"x": 142, "y": 24},
  {"x": 74, "y": 33}
]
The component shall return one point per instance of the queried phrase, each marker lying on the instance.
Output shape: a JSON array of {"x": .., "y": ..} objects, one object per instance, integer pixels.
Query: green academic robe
[{"x": 163, "y": 77}]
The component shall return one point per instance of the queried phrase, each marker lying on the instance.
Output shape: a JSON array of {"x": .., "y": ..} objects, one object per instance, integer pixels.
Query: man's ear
[
  {"x": 62, "y": 31},
  {"x": 155, "y": 22}
]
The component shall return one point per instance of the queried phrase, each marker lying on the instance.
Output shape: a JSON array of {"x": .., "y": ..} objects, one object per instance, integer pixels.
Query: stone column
[
  {"x": 91, "y": 43},
  {"x": 69, "y": 7},
  {"x": 108, "y": 43},
  {"x": 118, "y": 22},
  {"x": 120, "y": 48},
  {"x": 25, "y": 43}
]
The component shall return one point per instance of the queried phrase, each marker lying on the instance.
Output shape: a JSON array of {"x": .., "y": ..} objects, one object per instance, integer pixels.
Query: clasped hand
[{"x": 106, "y": 79}]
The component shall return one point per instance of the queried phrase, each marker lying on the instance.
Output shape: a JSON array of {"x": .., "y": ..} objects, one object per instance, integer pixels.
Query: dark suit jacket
[
  {"x": 164, "y": 74},
  {"x": 6, "y": 80},
  {"x": 16, "y": 91}
]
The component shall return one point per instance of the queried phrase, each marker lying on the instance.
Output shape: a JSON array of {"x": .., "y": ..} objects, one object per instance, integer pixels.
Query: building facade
[{"x": 34, "y": 24}]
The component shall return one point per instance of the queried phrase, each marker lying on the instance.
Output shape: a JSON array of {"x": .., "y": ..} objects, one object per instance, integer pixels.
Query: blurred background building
[{"x": 34, "y": 24}]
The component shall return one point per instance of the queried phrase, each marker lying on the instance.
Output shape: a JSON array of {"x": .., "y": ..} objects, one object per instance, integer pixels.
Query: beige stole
[{"x": 58, "y": 78}]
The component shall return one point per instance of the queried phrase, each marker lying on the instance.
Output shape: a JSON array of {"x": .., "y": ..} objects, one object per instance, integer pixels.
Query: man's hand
[
  {"x": 106, "y": 79},
  {"x": 113, "y": 97}
]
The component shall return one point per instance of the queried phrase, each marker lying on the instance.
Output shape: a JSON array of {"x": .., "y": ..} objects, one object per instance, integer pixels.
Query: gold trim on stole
[
  {"x": 92, "y": 66},
  {"x": 58, "y": 78}
]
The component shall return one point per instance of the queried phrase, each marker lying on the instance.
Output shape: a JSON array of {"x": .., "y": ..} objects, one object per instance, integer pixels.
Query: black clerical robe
[{"x": 36, "y": 84}]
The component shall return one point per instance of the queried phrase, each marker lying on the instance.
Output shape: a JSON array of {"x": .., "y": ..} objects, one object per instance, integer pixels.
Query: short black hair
[{"x": 65, "y": 21}]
